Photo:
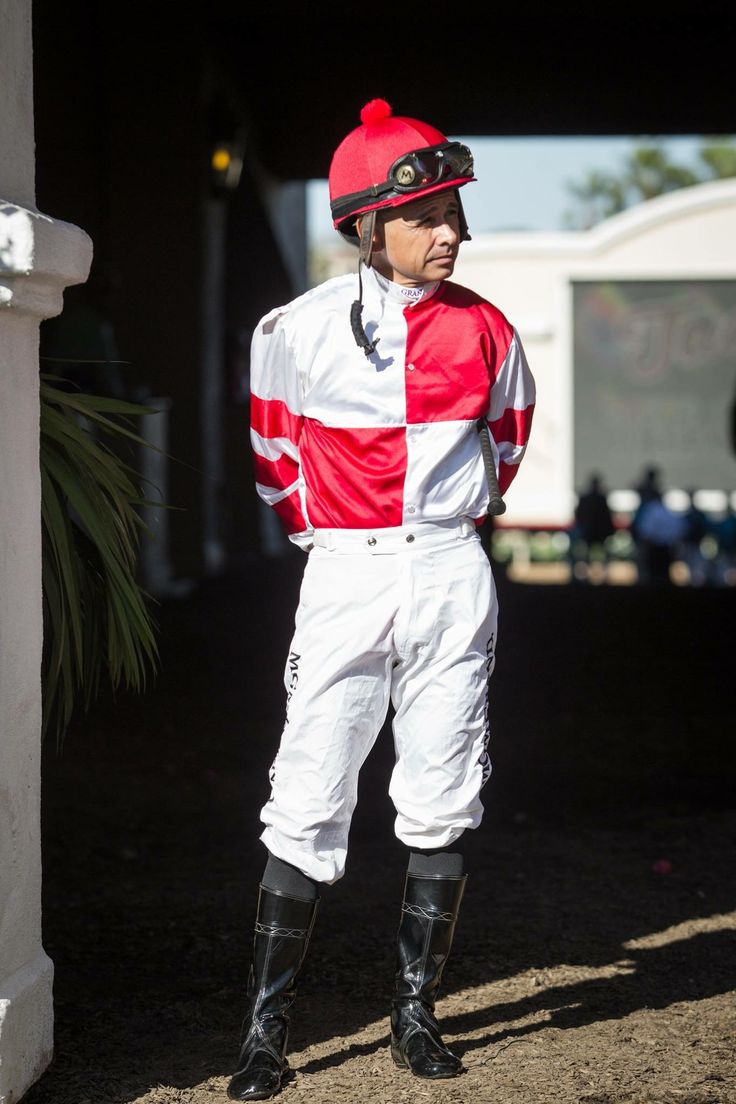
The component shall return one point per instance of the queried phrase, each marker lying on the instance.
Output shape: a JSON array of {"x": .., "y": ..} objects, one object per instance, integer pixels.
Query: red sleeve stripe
[
  {"x": 289, "y": 510},
  {"x": 513, "y": 426},
  {"x": 279, "y": 474},
  {"x": 506, "y": 473},
  {"x": 272, "y": 418}
]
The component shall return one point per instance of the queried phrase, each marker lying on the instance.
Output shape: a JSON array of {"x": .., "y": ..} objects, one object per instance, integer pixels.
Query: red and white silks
[{"x": 345, "y": 441}]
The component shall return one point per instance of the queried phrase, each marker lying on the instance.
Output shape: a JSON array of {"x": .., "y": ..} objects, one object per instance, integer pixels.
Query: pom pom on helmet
[{"x": 375, "y": 111}]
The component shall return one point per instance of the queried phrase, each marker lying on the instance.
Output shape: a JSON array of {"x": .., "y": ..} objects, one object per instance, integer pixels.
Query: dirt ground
[{"x": 595, "y": 956}]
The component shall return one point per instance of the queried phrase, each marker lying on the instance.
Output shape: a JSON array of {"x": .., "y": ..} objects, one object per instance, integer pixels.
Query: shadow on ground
[{"x": 613, "y": 722}]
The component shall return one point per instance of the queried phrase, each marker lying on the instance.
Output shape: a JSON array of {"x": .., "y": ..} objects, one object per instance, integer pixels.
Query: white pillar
[{"x": 38, "y": 258}]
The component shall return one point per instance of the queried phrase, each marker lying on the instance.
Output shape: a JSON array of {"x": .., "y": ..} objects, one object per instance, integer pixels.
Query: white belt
[{"x": 397, "y": 538}]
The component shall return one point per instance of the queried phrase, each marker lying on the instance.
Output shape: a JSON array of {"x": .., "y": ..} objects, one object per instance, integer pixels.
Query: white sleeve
[
  {"x": 275, "y": 425},
  {"x": 513, "y": 396}
]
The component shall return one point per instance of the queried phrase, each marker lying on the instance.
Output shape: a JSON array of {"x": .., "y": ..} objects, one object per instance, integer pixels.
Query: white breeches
[{"x": 409, "y": 612}]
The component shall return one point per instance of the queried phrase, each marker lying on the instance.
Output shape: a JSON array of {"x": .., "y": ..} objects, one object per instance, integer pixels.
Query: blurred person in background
[
  {"x": 649, "y": 485},
  {"x": 593, "y": 526},
  {"x": 691, "y": 552},
  {"x": 658, "y": 533}
]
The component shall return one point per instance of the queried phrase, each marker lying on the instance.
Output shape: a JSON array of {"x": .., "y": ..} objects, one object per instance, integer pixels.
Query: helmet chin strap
[
  {"x": 364, "y": 258},
  {"x": 367, "y": 232},
  {"x": 463, "y": 222}
]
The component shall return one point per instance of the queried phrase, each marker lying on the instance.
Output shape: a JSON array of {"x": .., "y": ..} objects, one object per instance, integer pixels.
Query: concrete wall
[
  {"x": 686, "y": 235},
  {"x": 38, "y": 258}
]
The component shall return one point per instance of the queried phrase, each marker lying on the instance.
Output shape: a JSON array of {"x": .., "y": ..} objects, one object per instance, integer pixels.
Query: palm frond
[{"x": 97, "y": 618}]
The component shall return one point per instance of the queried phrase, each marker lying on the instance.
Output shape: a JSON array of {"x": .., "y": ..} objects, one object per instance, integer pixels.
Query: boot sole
[
  {"x": 287, "y": 1077},
  {"x": 255, "y": 1096},
  {"x": 429, "y": 1077},
  {"x": 402, "y": 1064}
]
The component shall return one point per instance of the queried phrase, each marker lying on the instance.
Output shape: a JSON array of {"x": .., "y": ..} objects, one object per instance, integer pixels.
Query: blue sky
[{"x": 522, "y": 181}]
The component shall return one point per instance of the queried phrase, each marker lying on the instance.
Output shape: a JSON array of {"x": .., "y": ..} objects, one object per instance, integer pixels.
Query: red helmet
[{"x": 390, "y": 160}]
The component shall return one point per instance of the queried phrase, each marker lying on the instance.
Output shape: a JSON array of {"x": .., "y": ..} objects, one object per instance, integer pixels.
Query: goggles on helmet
[
  {"x": 413, "y": 172},
  {"x": 421, "y": 168}
]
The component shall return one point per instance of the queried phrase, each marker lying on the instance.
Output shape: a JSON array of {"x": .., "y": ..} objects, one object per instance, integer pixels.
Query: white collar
[{"x": 400, "y": 293}]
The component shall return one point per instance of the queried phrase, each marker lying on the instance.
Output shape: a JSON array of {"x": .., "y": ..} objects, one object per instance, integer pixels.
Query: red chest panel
[{"x": 454, "y": 363}]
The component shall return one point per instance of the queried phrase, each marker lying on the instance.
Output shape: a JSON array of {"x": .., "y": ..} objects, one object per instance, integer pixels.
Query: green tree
[
  {"x": 719, "y": 159},
  {"x": 646, "y": 172}
]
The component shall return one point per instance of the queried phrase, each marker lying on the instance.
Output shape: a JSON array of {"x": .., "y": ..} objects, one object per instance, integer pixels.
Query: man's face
[{"x": 418, "y": 242}]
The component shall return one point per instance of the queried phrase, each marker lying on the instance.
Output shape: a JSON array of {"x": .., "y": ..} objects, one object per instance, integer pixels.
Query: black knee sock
[
  {"x": 282, "y": 877},
  {"x": 445, "y": 862}
]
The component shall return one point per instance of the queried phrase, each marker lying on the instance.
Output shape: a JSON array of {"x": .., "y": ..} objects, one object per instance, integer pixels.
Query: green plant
[
  {"x": 96, "y": 615},
  {"x": 646, "y": 172}
]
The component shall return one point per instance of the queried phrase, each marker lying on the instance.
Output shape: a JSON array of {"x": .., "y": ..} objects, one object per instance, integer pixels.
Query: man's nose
[{"x": 448, "y": 233}]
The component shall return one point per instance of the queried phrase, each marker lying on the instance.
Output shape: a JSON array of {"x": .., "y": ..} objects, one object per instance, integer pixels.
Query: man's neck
[{"x": 410, "y": 294}]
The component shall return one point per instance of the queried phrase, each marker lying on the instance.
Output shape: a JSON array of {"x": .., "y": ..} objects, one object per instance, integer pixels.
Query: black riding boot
[
  {"x": 283, "y": 927},
  {"x": 428, "y": 916}
]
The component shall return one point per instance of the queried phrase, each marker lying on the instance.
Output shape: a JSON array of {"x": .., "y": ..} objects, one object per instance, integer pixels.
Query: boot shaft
[
  {"x": 428, "y": 916},
  {"x": 283, "y": 928}
]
